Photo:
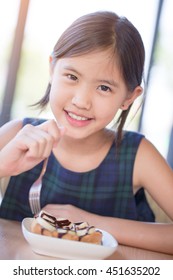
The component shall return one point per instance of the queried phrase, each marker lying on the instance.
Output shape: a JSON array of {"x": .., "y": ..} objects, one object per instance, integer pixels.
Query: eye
[
  {"x": 71, "y": 77},
  {"x": 104, "y": 88}
]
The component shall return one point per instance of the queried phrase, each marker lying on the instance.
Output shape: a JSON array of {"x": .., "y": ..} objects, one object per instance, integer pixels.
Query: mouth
[
  {"x": 77, "y": 120},
  {"x": 77, "y": 117}
]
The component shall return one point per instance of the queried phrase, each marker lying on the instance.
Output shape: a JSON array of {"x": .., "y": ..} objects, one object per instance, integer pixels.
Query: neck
[
  {"x": 82, "y": 155},
  {"x": 86, "y": 145}
]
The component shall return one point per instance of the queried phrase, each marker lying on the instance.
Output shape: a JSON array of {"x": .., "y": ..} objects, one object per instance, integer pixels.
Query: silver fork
[{"x": 34, "y": 192}]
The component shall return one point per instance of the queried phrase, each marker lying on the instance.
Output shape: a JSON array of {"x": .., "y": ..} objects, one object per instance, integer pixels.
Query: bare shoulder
[
  {"x": 153, "y": 173},
  {"x": 150, "y": 164},
  {"x": 147, "y": 151},
  {"x": 8, "y": 131}
]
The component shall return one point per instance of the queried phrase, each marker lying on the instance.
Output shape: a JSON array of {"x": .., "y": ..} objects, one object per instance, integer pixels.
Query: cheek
[
  {"x": 55, "y": 103},
  {"x": 56, "y": 95},
  {"x": 59, "y": 93},
  {"x": 107, "y": 111}
]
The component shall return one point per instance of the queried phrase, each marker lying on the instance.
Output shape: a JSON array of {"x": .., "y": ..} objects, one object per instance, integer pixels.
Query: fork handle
[{"x": 44, "y": 167}]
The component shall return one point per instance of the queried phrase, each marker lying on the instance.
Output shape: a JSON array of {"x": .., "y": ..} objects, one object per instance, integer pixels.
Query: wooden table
[{"x": 13, "y": 246}]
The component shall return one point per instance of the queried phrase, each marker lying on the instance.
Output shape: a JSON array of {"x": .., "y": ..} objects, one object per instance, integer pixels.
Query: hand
[
  {"x": 30, "y": 146},
  {"x": 70, "y": 212}
]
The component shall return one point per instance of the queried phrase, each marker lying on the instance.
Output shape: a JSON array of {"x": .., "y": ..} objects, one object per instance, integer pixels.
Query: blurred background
[{"x": 29, "y": 30}]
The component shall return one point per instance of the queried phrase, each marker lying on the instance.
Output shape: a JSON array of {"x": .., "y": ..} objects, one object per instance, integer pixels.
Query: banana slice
[{"x": 45, "y": 224}]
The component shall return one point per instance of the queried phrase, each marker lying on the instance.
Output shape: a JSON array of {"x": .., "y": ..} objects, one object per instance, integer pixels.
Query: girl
[{"x": 94, "y": 174}]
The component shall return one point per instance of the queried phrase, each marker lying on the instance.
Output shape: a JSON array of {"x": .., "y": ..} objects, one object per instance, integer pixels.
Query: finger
[
  {"x": 42, "y": 144},
  {"x": 28, "y": 145},
  {"x": 53, "y": 129},
  {"x": 34, "y": 141}
]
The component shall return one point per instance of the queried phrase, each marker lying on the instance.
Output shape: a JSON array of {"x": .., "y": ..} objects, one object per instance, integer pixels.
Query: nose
[{"x": 82, "y": 99}]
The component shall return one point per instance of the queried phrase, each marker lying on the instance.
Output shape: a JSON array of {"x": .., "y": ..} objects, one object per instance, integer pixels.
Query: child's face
[{"x": 86, "y": 92}]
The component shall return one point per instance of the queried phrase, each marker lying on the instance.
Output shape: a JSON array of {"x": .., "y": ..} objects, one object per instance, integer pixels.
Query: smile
[{"x": 78, "y": 118}]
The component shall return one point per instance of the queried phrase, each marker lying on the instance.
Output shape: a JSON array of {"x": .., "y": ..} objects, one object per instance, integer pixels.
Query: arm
[
  {"x": 152, "y": 171},
  {"x": 8, "y": 131},
  {"x": 155, "y": 237},
  {"x": 151, "y": 236}
]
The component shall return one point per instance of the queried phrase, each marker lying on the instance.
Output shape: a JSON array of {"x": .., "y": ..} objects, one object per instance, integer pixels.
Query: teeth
[{"x": 78, "y": 118}]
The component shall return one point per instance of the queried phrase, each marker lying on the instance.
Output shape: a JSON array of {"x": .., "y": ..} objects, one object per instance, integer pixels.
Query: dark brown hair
[{"x": 100, "y": 31}]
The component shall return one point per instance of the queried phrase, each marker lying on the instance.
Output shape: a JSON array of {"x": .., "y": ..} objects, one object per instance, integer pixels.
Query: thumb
[{"x": 62, "y": 131}]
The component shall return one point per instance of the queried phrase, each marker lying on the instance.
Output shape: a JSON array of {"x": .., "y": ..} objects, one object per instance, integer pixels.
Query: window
[{"x": 158, "y": 113}]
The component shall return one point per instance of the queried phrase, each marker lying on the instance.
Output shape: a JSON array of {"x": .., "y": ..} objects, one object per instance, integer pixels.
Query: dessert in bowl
[
  {"x": 60, "y": 238},
  {"x": 48, "y": 225}
]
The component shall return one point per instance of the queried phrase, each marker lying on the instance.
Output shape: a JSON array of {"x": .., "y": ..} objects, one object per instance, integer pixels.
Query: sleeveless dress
[{"x": 106, "y": 190}]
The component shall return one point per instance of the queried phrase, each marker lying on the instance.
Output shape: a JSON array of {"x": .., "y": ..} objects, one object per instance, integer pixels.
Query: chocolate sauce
[
  {"x": 62, "y": 223},
  {"x": 47, "y": 215},
  {"x": 53, "y": 221}
]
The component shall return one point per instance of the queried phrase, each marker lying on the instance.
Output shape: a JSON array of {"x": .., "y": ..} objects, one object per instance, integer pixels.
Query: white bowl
[{"x": 68, "y": 249}]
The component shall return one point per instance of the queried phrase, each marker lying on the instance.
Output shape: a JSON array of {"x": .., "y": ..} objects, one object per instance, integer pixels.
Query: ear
[{"x": 132, "y": 96}]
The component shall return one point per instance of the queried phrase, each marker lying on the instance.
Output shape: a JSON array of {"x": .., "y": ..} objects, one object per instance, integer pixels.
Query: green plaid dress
[{"x": 106, "y": 190}]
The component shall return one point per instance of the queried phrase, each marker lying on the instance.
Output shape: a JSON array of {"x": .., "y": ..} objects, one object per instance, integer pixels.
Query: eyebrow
[
  {"x": 71, "y": 69},
  {"x": 110, "y": 82}
]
